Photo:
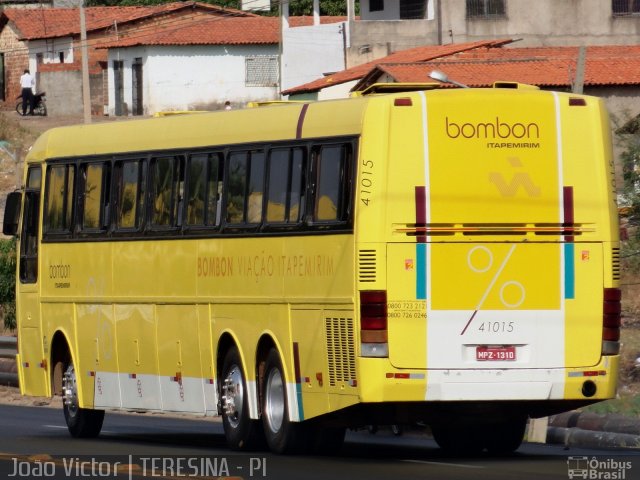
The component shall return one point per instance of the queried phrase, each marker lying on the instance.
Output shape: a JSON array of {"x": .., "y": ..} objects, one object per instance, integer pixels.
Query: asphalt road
[{"x": 34, "y": 443}]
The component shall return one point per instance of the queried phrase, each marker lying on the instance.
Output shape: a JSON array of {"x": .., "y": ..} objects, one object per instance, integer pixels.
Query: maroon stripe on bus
[
  {"x": 296, "y": 362},
  {"x": 421, "y": 211},
  {"x": 567, "y": 197},
  {"x": 303, "y": 112}
]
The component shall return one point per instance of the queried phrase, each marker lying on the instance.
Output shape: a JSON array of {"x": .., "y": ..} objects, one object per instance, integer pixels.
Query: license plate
[{"x": 484, "y": 354}]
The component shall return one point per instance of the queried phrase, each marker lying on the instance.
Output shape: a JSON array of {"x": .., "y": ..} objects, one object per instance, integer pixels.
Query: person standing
[{"x": 27, "y": 83}]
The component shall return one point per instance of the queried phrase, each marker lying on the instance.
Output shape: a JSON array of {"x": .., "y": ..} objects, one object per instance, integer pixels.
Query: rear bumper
[{"x": 380, "y": 382}]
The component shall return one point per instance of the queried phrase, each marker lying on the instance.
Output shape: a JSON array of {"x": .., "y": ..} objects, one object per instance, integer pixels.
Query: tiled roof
[
  {"x": 542, "y": 66},
  {"x": 417, "y": 54},
  {"x": 59, "y": 22},
  {"x": 218, "y": 31}
]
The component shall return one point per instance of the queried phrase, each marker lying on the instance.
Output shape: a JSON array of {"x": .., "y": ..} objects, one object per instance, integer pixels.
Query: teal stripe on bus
[
  {"x": 569, "y": 271},
  {"x": 421, "y": 271}
]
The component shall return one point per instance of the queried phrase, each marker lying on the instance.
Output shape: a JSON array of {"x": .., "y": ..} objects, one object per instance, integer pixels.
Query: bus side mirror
[{"x": 12, "y": 213}]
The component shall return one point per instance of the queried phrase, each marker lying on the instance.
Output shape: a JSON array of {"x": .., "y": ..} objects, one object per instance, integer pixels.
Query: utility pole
[{"x": 86, "y": 93}]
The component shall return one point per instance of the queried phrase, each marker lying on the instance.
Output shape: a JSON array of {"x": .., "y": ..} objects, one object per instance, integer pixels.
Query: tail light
[
  {"x": 373, "y": 324},
  {"x": 611, "y": 321}
]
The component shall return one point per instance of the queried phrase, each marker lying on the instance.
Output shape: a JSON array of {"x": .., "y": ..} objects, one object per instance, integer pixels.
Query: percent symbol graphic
[{"x": 484, "y": 268}]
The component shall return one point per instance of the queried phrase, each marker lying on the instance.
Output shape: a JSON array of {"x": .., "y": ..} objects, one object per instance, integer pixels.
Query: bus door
[{"x": 33, "y": 364}]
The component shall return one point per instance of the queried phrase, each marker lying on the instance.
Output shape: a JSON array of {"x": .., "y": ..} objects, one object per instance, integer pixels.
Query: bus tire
[
  {"x": 282, "y": 435},
  {"x": 505, "y": 438},
  {"x": 81, "y": 422},
  {"x": 241, "y": 432}
]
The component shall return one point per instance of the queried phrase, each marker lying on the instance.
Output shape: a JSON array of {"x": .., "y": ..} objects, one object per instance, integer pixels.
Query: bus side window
[
  {"x": 129, "y": 192},
  {"x": 28, "y": 266},
  {"x": 256, "y": 187},
  {"x": 286, "y": 170},
  {"x": 245, "y": 187},
  {"x": 166, "y": 191},
  {"x": 94, "y": 201},
  {"x": 331, "y": 183},
  {"x": 204, "y": 189},
  {"x": 59, "y": 198}
]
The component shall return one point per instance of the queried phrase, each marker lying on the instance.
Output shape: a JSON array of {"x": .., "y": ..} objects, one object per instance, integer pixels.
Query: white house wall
[
  {"x": 51, "y": 49},
  {"x": 337, "y": 91},
  {"x": 310, "y": 52},
  {"x": 190, "y": 77},
  {"x": 391, "y": 11}
]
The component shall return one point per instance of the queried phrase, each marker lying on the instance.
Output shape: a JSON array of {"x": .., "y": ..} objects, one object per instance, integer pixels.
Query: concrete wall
[
  {"x": 190, "y": 78},
  {"x": 310, "y": 52},
  {"x": 539, "y": 23},
  {"x": 64, "y": 92}
]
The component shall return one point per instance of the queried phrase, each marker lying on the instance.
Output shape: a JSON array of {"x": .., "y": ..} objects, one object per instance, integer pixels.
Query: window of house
[
  {"x": 61, "y": 57},
  {"x": 59, "y": 201},
  {"x": 261, "y": 71},
  {"x": 625, "y": 7},
  {"x": 376, "y": 5},
  {"x": 412, "y": 9},
  {"x": 485, "y": 8}
]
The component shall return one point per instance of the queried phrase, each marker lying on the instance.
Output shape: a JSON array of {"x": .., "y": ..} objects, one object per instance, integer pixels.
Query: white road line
[{"x": 444, "y": 464}]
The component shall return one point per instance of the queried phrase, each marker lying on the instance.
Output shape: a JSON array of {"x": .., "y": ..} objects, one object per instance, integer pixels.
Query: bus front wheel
[
  {"x": 241, "y": 432},
  {"x": 282, "y": 435},
  {"x": 81, "y": 422}
]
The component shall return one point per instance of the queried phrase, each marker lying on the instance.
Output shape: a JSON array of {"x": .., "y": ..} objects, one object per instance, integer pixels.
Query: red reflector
[
  {"x": 612, "y": 294},
  {"x": 373, "y": 310},
  {"x": 402, "y": 102},
  {"x": 373, "y": 296},
  {"x": 611, "y": 334},
  {"x": 402, "y": 375},
  {"x": 577, "y": 102},
  {"x": 612, "y": 321},
  {"x": 373, "y": 323},
  {"x": 611, "y": 308},
  {"x": 590, "y": 374}
]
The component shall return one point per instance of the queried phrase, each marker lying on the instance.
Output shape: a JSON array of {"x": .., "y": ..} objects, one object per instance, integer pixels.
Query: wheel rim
[
  {"x": 233, "y": 396},
  {"x": 70, "y": 391},
  {"x": 274, "y": 400}
]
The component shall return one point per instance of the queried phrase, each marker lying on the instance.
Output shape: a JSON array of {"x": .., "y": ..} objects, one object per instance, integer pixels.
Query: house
[
  {"x": 611, "y": 72},
  {"x": 386, "y": 26},
  {"x": 198, "y": 66},
  {"x": 339, "y": 84},
  {"x": 47, "y": 41}
]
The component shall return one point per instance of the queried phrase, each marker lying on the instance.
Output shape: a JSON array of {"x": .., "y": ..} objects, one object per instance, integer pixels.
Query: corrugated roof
[
  {"x": 59, "y": 22},
  {"x": 417, "y": 54},
  {"x": 218, "y": 31},
  {"x": 542, "y": 66}
]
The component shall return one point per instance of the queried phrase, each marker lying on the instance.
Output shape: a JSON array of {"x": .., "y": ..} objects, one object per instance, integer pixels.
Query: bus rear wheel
[
  {"x": 81, "y": 422},
  {"x": 505, "y": 438},
  {"x": 241, "y": 432},
  {"x": 282, "y": 435}
]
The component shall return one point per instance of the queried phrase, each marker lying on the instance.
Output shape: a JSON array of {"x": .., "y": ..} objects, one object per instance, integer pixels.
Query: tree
[{"x": 296, "y": 7}]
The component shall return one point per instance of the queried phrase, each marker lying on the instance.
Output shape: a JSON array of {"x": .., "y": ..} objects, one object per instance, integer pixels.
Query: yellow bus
[{"x": 446, "y": 256}]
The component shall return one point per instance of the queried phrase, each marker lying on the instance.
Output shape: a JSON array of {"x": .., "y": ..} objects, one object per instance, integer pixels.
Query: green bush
[{"x": 8, "y": 282}]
